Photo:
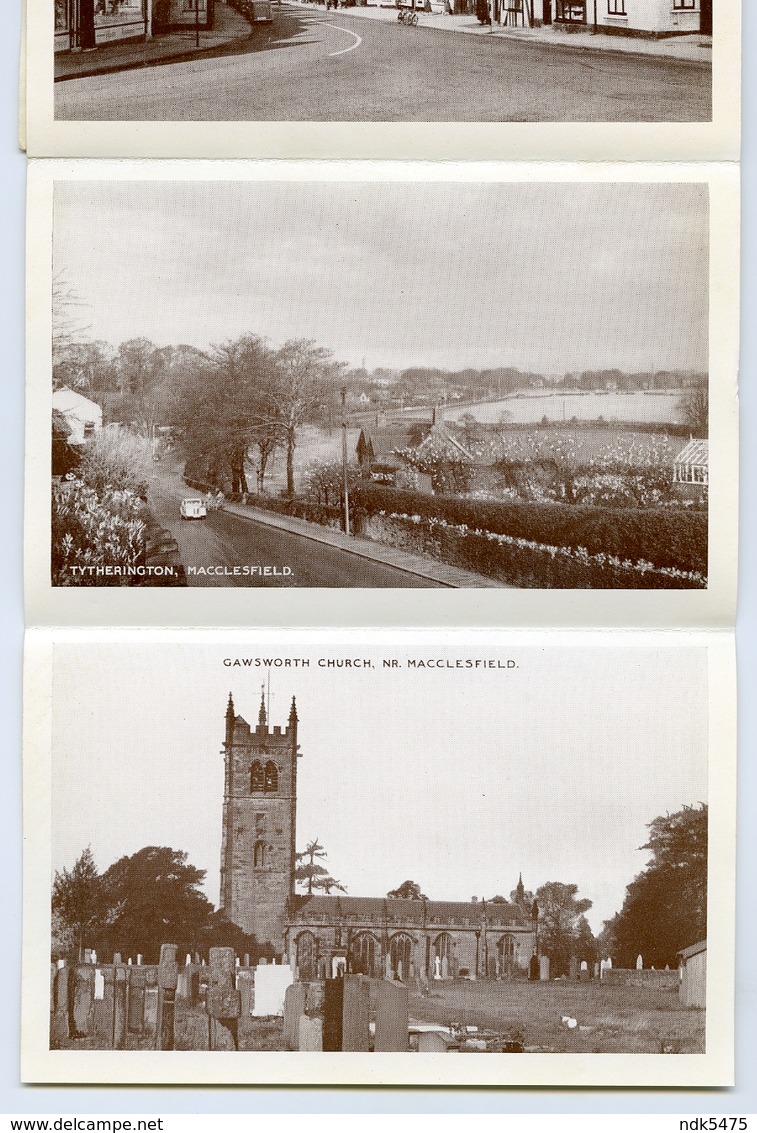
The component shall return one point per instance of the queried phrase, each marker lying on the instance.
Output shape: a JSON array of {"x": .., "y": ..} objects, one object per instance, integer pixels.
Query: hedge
[{"x": 667, "y": 537}]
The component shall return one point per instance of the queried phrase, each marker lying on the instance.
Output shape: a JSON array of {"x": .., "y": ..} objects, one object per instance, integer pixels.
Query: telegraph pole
[{"x": 344, "y": 463}]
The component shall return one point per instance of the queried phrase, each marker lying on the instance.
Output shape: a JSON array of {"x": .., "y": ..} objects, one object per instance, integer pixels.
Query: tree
[
  {"x": 408, "y": 891},
  {"x": 153, "y": 898},
  {"x": 68, "y": 326},
  {"x": 78, "y": 901},
  {"x": 304, "y": 379},
  {"x": 665, "y": 907},
  {"x": 311, "y": 873},
  {"x": 694, "y": 407},
  {"x": 563, "y": 930}
]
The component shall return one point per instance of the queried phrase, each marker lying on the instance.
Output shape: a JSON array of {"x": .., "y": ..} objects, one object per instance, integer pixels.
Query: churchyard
[{"x": 224, "y": 1006}]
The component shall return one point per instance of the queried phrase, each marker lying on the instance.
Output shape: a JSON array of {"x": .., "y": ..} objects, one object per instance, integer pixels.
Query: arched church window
[
  {"x": 364, "y": 955},
  {"x": 257, "y": 777},
  {"x": 401, "y": 954},
  {"x": 307, "y": 956},
  {"x": 506, "y": 950},
  {"x": 443, "y": 948},
  {"x": 271, "y": 776},
  {"x": 261, "y": 855}
]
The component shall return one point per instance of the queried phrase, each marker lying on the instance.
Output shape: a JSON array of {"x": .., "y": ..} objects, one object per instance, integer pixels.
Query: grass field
[{"x": 611, "y": 1019}]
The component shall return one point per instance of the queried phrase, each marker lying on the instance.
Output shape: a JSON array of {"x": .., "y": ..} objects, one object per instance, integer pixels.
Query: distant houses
[
  {"x": 380, "y": 449},
  {"x": 631, "y": 17}
]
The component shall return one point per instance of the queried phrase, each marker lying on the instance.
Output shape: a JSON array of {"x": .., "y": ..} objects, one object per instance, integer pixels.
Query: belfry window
[
  {"x": 257, "y": 778},
  {"x": 261, "y": 855},
  {"x": 271, "y": 776}
]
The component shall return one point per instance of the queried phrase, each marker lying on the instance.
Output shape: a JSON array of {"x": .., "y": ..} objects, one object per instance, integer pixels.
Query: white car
[{"x": 193, "y": 509}]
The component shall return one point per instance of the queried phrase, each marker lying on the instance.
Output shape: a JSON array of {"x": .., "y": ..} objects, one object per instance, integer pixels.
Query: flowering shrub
[
  {"x": 93, "y": 531},
  {"x": 526, "y": 563},
  {"x": 673, "y": 537}
]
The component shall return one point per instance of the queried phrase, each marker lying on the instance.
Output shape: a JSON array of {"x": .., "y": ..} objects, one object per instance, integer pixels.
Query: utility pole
[
  {"x": 344, "y": 463},
  {"x": 197, "y": 23}
]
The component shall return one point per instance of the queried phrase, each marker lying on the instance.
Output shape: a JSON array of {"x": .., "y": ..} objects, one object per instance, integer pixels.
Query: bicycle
[{"x": 407, "y": 17}]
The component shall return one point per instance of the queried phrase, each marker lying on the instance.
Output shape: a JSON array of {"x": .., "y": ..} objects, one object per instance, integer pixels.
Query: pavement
[
  {"x": 231, "y": 29},
  {"x": 429, "y": 569}
]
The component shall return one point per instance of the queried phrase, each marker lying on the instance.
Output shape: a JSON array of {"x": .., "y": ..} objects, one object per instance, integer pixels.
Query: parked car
[{"x": 193, "y": 509}]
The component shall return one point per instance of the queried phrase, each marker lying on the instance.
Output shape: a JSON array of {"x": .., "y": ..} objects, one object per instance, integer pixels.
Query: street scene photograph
[
  {"x": 395, "y": 844},
  {"x": 435, "y": 61},
  {"x": 388, "y": 384}
]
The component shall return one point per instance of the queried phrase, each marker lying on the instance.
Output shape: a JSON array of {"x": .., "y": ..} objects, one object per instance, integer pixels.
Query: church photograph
[{"x": 428, "y": 844}]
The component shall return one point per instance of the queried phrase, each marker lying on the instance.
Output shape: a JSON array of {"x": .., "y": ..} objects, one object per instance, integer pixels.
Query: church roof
[{"x": 319, "y": 909}]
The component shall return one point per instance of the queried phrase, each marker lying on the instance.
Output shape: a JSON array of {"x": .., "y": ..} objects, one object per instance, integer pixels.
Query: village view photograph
[
  {"x": 380, "y": 385},
  {"x": 395, "y": 846},
  {"x": 435, "y": 61}
]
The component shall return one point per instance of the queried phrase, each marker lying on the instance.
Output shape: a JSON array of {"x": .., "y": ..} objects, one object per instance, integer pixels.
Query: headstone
[
  {"x": 99, "y": 984},
  {"x": 431, "y": 1042},
  {"x": 223, "y": 1001},
  {"x": 388, "y": 973},
  {"x": 116, "y": 958},
  {"x": 338, "y": 967},
  {"x": 584, "y": 965},
  {"x": 608, "y": 962},
  {"x": 151, "y": 1011},
  {"x": 332, "y": 1015},
  {"x": 391, "y": 1017},
  {"x": 271, "y": 982},
  {"x": 445, "y": 968},
  {"x": 437, "y": 968},
  {"x": 139, "y": 958},
  {"x": 119, "y": 1007},
  {"x": 356, "y": 1013},
  {"x": 533, "y": 967},
  {"x": 596, "y": 970},
  {"x": 87, "y": 955},
  {"x": 247, "y": 959},
  {"x": 136, "y": 1013},
  {"x": 60, "y": 1016},
  {"x": 639, "y": 963},
  {"x": 183, "y": 984},
  {"x": 102, "y": 1015},
  {"x": 246, "y": 985},
  {"x": 573, "y": 968},
  {"x": 310, "y": 1036},
  {"x": 168, "y": 976},
  {"x": 187, "y": 961},
  {"x": 400, "y": 973},
  {"x": 82, "y": 1005},
  {"x": 294, "y": 1007},
  {"x": 314, "y": 993},
  {"x": 544, "y": 967}
]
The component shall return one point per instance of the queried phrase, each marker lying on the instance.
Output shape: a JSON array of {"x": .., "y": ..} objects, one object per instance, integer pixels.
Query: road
[
  {"x": 228, "y": 540},
  {"x": 314, "y": 66}
]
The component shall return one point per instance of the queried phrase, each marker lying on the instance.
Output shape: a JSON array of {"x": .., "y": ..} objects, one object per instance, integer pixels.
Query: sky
[
  {"x": 457, "y": 778},
  {"x": 542, "y": 276}
]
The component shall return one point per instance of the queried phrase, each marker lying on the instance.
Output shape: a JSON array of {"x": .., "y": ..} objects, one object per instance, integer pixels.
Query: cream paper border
[
  {"x": 714, "y": 1068},
  {"x": 717, "y": 140},
  {"x": 234, "y": 606}
]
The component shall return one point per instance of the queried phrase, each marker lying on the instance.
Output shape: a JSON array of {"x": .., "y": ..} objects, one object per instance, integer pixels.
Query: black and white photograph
[
  {"x": 395, "y": 384},
  {"x": 411, "y": 79},
  {"x": 405, "y": 844}
]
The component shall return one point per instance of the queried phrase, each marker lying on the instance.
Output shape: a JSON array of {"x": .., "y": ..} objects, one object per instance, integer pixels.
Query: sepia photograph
[
  {"x": 398, "y": 844},
  {"x": 381, "y": 385}
]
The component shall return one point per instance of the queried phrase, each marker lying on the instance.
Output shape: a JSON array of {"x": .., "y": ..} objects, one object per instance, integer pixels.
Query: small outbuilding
[
  {"x": 693, "y": 990},
  {"x": 691, "y": 470}
]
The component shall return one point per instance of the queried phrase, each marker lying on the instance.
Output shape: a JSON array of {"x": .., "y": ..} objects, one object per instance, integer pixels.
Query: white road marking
[{"x": 344, "y": 49}]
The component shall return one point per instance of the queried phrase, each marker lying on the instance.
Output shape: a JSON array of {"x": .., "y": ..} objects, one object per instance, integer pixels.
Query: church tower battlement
[{"x": 259, "y": 823}]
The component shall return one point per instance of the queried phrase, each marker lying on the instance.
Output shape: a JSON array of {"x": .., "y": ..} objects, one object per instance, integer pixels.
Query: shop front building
[{"x": 639, "y": 17}]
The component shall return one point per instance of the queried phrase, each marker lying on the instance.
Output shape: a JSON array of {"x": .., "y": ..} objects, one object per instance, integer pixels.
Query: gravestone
[
  {"x": 99, "y": 984},
  {"x": 391, "y": 1017},
  {"x": 310, "y": 1036},
  {"x": 151, "y": 1011},
  {"x": 223, "y": 1001},
  {"x": 533, "y": 968},
  {"x": 400, "y": 973},
  {"x": 573, "y": 968},
  {"x": 168, "y": 976},
  {"x": 388, "y": 973},
  {"x": 314, "y": 992},
  {"x": 294, "y": 1006},
  {"x": 82, "y": 1000},
  {"x": 333, "y": 1002},
  {"x": 271, "y": 982},
  {"x": 183, "y": 984},
  {"x": 544, "y": 967},
  {"x": 431, "y": 1042},
  {"x": 445, "y": 968},
  {"x": 136, "y": 1012},
  {"x": 60, "y": 1016},
  {"x": 639, "y": 963},
  {"x": 355, "y": 1013},
  {"x": 246, "y": 986},
  {"x": 119, "y": 1007},
  {"x": 116, "y": 958},
  {"x": 102, "y": 1013},
  {"x": 437, "y": 968}
]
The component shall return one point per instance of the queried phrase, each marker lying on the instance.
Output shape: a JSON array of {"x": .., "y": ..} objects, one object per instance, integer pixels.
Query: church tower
[{"x": 259, "y": 823}]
